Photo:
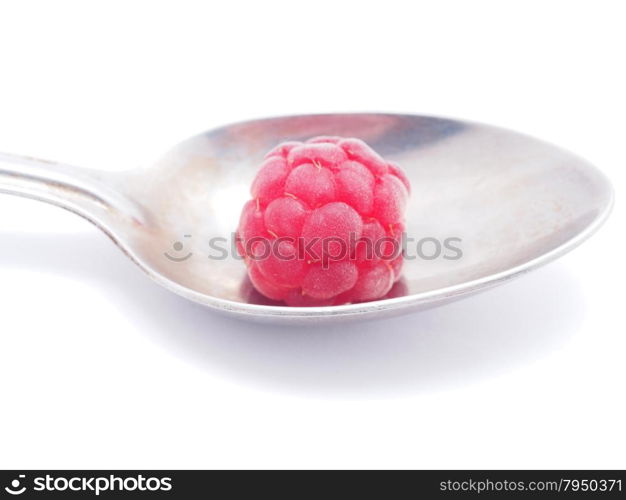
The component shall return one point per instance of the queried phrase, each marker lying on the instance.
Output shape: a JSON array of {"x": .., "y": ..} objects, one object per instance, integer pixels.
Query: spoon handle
[{"x": 89, "y": 193}]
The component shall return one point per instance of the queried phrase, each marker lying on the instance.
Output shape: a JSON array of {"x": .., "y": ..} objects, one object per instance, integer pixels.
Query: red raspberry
[{"x": 325, "y": 223}]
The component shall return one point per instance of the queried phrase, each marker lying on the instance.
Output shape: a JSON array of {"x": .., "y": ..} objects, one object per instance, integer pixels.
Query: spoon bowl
[{"x": 487, "y": 205}]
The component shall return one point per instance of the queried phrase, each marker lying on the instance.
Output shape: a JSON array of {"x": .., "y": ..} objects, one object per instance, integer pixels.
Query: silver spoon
[{"x": 487, "y": 205}]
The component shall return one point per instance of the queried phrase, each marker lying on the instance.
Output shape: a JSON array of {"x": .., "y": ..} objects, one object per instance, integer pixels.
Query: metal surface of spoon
[{"x": 508, "y": 202}]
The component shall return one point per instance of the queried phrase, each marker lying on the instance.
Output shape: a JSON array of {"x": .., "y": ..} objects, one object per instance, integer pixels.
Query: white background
[{"x": 99, "y": 367}]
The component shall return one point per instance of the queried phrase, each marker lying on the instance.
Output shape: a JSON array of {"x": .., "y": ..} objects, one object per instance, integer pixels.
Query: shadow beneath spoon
[{"x": 482, "y": 336}]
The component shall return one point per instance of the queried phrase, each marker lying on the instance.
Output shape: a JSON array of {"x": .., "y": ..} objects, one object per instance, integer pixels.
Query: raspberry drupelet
[{"x": 325, "y": 223}]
